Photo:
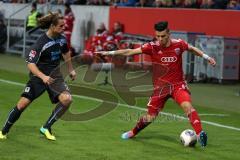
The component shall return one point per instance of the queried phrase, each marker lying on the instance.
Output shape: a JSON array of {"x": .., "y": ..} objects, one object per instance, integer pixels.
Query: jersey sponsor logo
[
  {"x": 169, "y": 59},
  {"x": 55, "y": 55},
  {"x": 61, "y": 41},
  {"x": 32, "y": 54}
]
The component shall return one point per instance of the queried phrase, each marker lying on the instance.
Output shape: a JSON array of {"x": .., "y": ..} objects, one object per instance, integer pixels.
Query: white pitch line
[
  {"x": 217, "y": 115},
  {"x": 11, "y": 82},
  {"x": 134, "y": 107}
]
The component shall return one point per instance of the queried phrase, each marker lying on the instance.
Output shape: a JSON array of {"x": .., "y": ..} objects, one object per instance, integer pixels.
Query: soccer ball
[{"x": 188, "y": 138}]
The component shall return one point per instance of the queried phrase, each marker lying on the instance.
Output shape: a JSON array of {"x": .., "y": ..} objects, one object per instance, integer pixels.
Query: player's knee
[
  {"x": 187, "y": 107},
  {"x": 66, "y": 99},
  {"x": 23, "y": 103},
  {"x": 21, "y": 107}
]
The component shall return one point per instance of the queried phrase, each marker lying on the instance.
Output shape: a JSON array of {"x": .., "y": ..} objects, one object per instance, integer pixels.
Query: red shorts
[{"x": 179, "y": 92}]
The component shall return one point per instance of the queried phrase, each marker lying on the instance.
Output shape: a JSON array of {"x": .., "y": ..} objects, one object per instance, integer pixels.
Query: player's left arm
[
  {"x": 200, "y": 53},
  {"x": 68, "y": 60},
  {"x": 124, "y": 52}
]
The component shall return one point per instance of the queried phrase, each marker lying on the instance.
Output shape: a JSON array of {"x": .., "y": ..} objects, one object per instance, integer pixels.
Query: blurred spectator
[
  {"x": 68, "y": 20},
  {"x": 80, "y": 2},
  {"x": 207, "y": 4},
  {"x": 126, "y": 3},
  {"x": 117, "y": 29},
  {"x": 69, "y": 1},
  {"x": 214, "y": 4},
  {"x": 143, "y": 3},
  {"x": 95, "y": 43},
  {"x": 60, "y": 2},
  {"x": 97, "y": 2},
  {"x": 163, "y": 3},
  {"x": 101, "y": 30},
  {"x": 41, "y": 1},
  {"x": 114, "y": 38},
  {"x": 168, "y": 3},
  {"x": 189, "y": 4},
  {"x": 220, "y": 4},
  {"x": 3, "y": 35},
  {"x": 32, "y": 19},
  {"x": 233, "y": 4},
  {"x": 178, "y": 3},
  {"x": 157, "y": 4}
]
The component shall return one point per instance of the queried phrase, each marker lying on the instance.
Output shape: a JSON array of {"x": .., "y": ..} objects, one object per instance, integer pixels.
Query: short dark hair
[{"x": 161, "y": 26}]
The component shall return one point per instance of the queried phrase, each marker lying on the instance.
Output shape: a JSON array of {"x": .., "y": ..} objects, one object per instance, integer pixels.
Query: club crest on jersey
[
  {"x": 169, "y": 59},
  {"x": 160, "y": 52},
  {"x": 177, "y": 51},
  {"x": 32, "y": 54}
]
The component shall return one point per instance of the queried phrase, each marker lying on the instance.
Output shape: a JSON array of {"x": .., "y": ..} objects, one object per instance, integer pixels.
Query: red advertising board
[{"x": 211, "y": 22}]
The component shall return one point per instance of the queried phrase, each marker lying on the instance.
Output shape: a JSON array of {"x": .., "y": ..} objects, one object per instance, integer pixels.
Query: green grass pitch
[{"x": 99, "y": 138}]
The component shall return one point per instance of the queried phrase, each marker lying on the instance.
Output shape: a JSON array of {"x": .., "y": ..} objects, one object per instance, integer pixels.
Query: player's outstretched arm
[
  {"x": 200, "y": 53},
  {"x": 124, "y": 52}
]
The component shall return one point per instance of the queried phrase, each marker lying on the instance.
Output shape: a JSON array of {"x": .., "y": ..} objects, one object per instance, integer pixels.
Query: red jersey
[
  {"x": 167, "y": 61},
  {"x": 68, "y": 20}
]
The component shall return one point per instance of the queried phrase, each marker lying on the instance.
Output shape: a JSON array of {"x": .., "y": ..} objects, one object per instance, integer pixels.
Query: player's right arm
[
  {"x": 34, "y": 69},
  {"x": 124, "y": 52},
  {"x": 31, "y": 60}
]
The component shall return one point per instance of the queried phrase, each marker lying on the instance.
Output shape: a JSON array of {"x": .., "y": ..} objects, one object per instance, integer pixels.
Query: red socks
[
  {"x": 142, "y": 123},
  {"x": 195, "y": 121}
]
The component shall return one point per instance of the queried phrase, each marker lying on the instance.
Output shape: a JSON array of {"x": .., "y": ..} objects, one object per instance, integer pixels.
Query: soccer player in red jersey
[{"x": 166, "y": 54}]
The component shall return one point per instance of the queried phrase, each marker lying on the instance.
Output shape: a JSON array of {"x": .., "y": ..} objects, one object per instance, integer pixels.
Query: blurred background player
[
  {"x": 168, "y": 81},
  {"x": 117, "y": 31},
  {"x": 95, "y": 42},
  {"x": 43, "y": 61},
  {"x": 69, "y": 21}
]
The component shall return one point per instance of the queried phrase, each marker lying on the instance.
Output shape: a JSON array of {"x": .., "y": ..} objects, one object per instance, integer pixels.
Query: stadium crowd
[{"x": 201, "y": 4}]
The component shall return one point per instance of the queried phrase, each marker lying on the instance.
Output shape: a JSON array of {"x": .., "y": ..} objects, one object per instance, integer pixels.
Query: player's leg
[
  {"x": 65, "y": 99},
  {"x": 33, "y": 89},
  {"x": 60, "y": 94},
  {"x": 143, "y": 122},
  {"x": 14, "y": 115},
  {"x": 183, "y": 98},
  {"x": 61, "y": 107},
  {"x": 155, "y": 104},
  {"x": 195, "y": 121},
  {"x": 193, "y": 117}
]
